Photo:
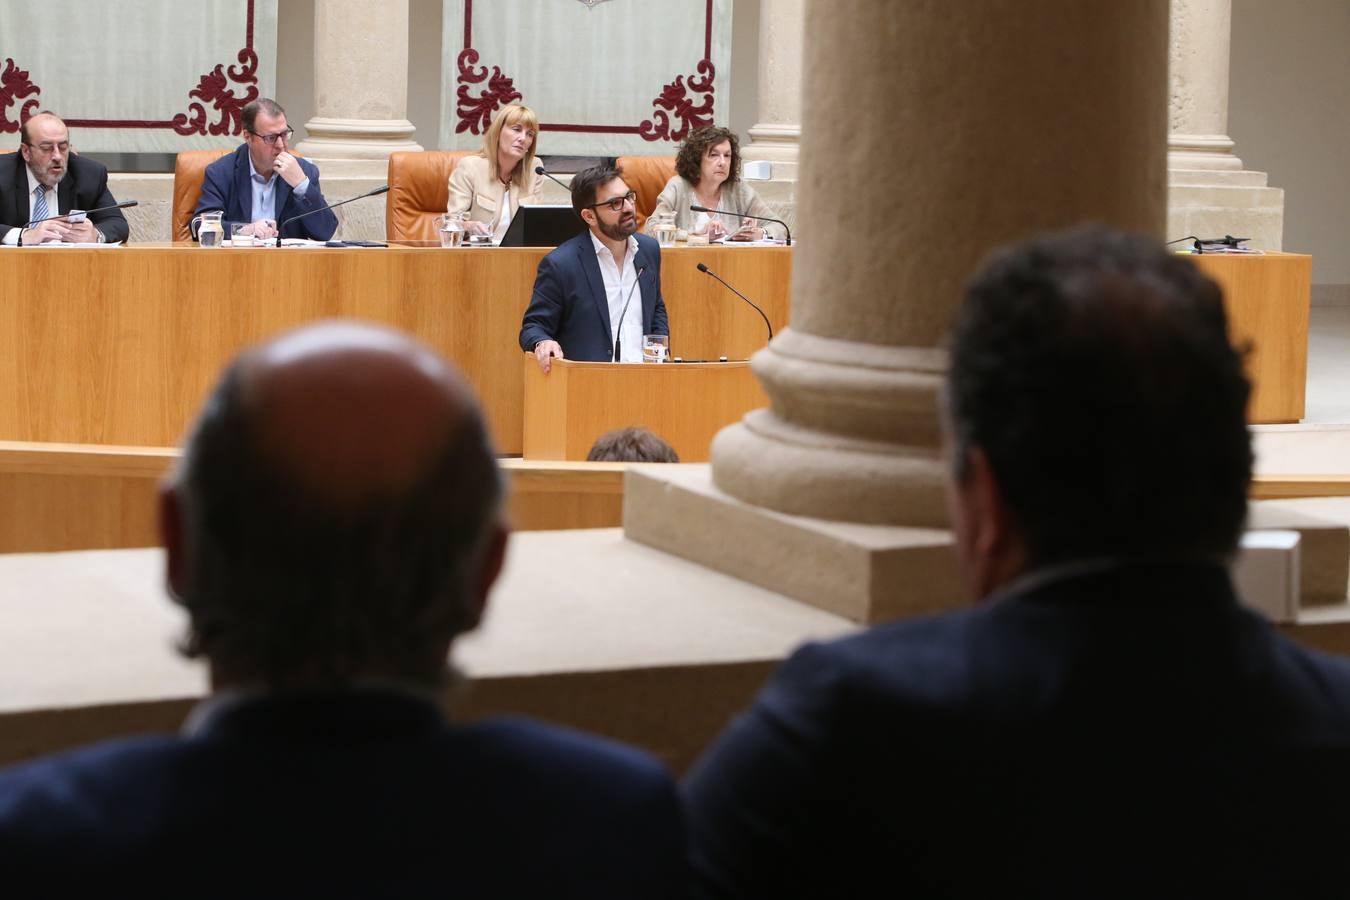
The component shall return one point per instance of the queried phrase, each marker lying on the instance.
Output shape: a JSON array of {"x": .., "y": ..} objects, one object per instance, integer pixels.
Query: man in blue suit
[
  {"x": 1108, "y": 721},
  {"x": 335, "y": 524},
  {"x": 263, "y": 184},
  {"x": 583, "y": 301}
]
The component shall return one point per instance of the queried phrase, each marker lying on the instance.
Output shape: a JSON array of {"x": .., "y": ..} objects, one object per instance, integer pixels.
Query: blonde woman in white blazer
[{"x": 490, "y": 187}]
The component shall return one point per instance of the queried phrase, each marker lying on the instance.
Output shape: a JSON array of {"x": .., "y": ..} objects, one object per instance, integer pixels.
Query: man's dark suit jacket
[
  {"x": 228, "y": 186},
  {"x": 84, "y": 186},
  {"x": 370, "y": 795},
  {"x": 1132, "y": 732},
  {"x": 569, "y": 304}
]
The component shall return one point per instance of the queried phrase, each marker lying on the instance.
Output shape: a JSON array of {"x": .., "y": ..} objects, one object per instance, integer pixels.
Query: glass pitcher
[
  {"x": 664, "y": 228},
  {"x": 211, "y": 231},
  {"x": 450, "y": 228}
]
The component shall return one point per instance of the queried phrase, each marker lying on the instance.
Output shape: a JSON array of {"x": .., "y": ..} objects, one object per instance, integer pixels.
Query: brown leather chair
[
  {"x": 419, "y": 191},
  {"x": 646, "y": 175},
  {"x": 188, "y": 171}
]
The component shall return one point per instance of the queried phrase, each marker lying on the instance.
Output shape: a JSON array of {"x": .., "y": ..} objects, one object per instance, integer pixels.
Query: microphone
[
  {"x": 618, "y": 332},
  {"x": 125, "y": 204},
  {"x": 539, "y": 170},
  {"x": 707, "y": 271},
  {"x": 382, "y": 189},
  {"x": 726, "y": 212}
]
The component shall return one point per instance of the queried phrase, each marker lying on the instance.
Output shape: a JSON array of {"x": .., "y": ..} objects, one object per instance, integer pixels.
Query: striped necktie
[{"x": 39, "y": 204}]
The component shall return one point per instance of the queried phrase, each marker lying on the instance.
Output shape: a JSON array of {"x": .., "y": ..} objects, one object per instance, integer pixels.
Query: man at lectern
[
  {"x": 46, "y": 178},
  {"x": 334, "y": 526},
  {"x": 1108, "y": 720},
  {"x": 597, "y": 294}
]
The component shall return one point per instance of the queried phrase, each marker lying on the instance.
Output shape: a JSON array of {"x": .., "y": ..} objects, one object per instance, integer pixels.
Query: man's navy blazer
[
  {"x": 227, "y": 186},
  {"x": 1129, "y": 731},
  {"x": 569, "y": 304},
  {"x": 84, "y": 186},
  {"x": 368, "y": 794}
]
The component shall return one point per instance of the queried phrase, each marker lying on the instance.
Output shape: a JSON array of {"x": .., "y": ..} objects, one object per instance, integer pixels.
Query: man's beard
[
  {"x": 619, "y": 231},
  {"x": 49, "y": 177}
]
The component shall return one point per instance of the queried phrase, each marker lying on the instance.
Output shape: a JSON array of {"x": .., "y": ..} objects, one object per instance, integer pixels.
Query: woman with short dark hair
[{"x": 708, "y": 173}]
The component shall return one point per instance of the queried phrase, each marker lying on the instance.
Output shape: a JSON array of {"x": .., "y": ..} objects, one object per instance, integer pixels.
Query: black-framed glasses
[
  {"x": 271, "y": 139},
  {"x": 615, "y": 204}
]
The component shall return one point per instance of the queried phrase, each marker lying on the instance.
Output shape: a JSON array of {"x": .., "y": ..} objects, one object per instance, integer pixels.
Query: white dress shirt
[
  {"x": 12, "y": 236},
  {"x": 618, "y": 286},
  {"x": 265, "y": 193}
]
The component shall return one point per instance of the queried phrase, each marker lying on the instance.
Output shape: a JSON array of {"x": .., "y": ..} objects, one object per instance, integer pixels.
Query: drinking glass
[{"x": 655, "y": 348}]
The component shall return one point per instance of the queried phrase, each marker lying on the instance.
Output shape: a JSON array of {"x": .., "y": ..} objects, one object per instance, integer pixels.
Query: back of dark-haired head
[
  {"x": 631, "y": 444},
  {"x": 587, "y": 183},
  {"x": 248, "y": 116},
  {"x": 1094, "y": 370},
  {"x": 286, "y": 587}
]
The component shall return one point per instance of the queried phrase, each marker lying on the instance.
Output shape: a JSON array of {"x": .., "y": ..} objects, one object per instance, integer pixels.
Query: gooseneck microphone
[
  {"x": 727, "y": 212},
  {"x": 539, "y": 170},
  {"x": 702, "y": 267},
  {"x": 125, "y": 204},
  {"x": 382, "y": 189},
  {"x": 618, "y": 332}
]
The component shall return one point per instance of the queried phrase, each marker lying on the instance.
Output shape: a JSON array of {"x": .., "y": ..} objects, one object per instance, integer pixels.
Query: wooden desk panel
[
  {"x": 685, "y": 404},
  {"x": 119, "y": 346},
  {"x": 90, "y": 497},
  {"x": 1267, "y": 298}
]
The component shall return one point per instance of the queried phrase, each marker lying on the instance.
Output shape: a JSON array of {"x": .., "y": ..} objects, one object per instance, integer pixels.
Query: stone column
[
  {"x": 932, "y": 133},
  {"x": 1211, "y": 194},
  {"x": 776, "y": 135},
  {"x": 778, "y": 127},
  {"x": 360, "y": 81},
  {"x": 1198, "y": 80}
]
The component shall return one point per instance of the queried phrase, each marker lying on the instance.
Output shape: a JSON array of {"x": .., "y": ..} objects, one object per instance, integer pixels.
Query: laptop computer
[{"x": 542, "y": 226}]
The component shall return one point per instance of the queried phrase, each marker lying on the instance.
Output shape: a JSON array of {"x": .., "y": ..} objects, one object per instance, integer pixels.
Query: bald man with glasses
[
  {"x": 263, "y": 184},
  {"x": 46, "y": 178},
  {"x": 596, "y": 295}
]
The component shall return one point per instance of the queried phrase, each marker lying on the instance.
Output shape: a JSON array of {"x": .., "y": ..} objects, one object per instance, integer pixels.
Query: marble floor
[{"x": 1328, "y": 395}]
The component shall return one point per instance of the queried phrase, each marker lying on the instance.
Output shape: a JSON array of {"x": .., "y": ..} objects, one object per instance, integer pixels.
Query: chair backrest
[
  {"x": 419, "y": 191},
  {"x": 646, "y": 176},
  {"x": 188, "y": 171}
]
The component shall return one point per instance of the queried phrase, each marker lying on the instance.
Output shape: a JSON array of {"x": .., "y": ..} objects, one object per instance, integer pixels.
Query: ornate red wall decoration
[
  {"x": 673, "y": 107},
  {"x": 675, "y": 103},
  {"x": 475, "y": 113},
  {"x": 15, "y": 85},
  {"x": 214, "y": 89}
]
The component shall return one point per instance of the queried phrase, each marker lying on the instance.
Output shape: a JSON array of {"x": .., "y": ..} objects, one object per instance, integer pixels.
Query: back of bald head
[
  {"x": 351, "y": 412},
  {"x": 337, "y": 496}
]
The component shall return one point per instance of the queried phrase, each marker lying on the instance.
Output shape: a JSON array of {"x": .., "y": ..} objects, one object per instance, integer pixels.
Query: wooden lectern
[
  {"x": 684, "y": 403},
  {"x": 1267, "y": 299}
]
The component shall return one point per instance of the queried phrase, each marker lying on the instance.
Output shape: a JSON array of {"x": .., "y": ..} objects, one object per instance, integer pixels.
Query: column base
[
  {"x": 1214, "y": 203},
  {"x": 778, "y": 145},
  {"x": 1209, "y": 152},
  {"x": 866, "y": 573},
  {"x": 328, "y": 139}
]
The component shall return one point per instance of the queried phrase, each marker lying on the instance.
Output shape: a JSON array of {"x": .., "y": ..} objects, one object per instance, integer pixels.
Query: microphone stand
[
  {"x": 702, "y": 267},
  {"x": 382, "y": 189},
  {"x": 125, "y": 204},
  {"x": 727, "y": 212},
  {"x": 539, "y": 170},
  {"x": 618, "y": 332}
]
